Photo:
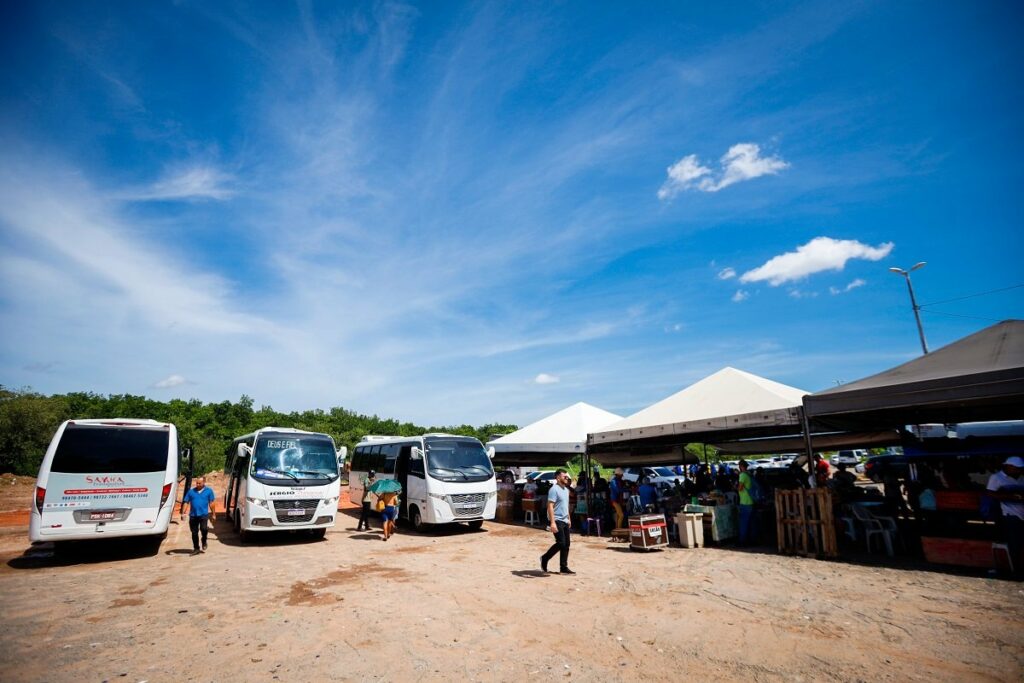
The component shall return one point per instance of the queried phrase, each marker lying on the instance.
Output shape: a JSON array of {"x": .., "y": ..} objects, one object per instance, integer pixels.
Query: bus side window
[
  {"x": 376, "y": 459},
  {"x": 390, "y": 454},
  {"x": 358, "y": 460},
  {"x": 415, "y": 466}
]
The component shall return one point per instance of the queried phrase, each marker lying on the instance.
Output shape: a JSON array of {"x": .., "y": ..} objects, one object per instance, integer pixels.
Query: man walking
[
  {"x": 201, "y": 502},
  {"x": 617, "y": 489},
  {"x": 558, "y": 513},
  {"x": 364, "y": 515}
]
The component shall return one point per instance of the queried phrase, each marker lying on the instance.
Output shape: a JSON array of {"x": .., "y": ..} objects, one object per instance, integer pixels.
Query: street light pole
[{"x": 913, "y": 302}]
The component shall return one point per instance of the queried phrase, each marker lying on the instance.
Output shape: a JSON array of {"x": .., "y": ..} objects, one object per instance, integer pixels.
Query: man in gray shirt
[{"x": 558, "y": 513}]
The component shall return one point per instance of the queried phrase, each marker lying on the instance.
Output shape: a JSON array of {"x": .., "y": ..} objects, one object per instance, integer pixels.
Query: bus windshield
[
  {"x": 295, "y": 456},
  {"x": 87, "y": 449},
  {"x": 458, "y": 460}
]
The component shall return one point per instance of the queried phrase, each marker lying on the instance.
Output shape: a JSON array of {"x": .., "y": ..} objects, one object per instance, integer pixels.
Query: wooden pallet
[
  {"x": 805, "y": 523},
  {"x": 620, "y": 535}
]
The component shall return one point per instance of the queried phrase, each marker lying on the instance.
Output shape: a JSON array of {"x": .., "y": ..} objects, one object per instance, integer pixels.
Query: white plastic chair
[{"x": 874, "y": 526}]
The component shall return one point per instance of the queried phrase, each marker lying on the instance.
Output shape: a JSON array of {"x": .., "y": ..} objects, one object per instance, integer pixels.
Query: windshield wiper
[
  {"x": 449, "y": 469},
  {"x": 287, "y": 474},
  {"x": 322, "y": 474}
]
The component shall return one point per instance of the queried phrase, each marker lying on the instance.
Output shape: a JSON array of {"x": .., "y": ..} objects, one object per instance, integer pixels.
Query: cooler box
[
  {"x": 647, "y": 532},
  {"x": 691, "y": 529}
]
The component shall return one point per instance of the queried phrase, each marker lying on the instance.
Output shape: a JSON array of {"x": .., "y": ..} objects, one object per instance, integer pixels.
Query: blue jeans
[{"x": 748, "y": 524}]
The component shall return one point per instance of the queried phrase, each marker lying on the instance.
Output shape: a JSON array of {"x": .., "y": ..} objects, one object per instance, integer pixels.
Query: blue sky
[{"x": 479, "y": 212}]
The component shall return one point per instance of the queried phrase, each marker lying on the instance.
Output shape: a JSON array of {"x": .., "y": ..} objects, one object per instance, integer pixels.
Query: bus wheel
[
  {"x": 476, "y": 524},
  {"x": 242, "y": 534},
  {"x": 416, "y": 518}
]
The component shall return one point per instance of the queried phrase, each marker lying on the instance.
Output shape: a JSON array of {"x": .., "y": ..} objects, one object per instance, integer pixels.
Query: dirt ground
[{"x": 459, "y": 604}]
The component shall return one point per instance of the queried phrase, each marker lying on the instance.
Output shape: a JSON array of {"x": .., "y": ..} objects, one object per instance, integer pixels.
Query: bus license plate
[
  {"x": 296, "y": 513},
  {"x": 467, "y": 506},
  {"x": 93, "y": 516}
]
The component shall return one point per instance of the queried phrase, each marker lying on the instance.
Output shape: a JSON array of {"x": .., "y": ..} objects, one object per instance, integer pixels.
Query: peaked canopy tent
[
  {"x": 978, "y": 378},
  {"x": 727, "y": 405},
  {"x": 552, "y": 440}
]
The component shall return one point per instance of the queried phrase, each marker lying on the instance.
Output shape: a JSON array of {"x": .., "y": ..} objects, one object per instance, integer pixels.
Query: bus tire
[
  {"x": 416, "y": 518},
  {"x": 476, "y": 524},
  {"x": 243, "y": 535}
]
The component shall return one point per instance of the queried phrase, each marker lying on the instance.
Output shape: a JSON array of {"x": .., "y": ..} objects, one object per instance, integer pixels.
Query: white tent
[
  {"x": 553, "y": 439},
  {"x": 728, "y": 400}
]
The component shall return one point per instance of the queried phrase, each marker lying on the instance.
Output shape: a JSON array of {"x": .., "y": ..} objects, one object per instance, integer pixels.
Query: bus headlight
[
  {"x": 257, "y": 501},
  {"x": 330, "y": 501},
  {"x": 438, "y": 496}
]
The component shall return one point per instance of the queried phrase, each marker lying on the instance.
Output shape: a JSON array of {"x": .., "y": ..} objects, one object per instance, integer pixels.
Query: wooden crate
[
  {"x": 961, "y": 552},
  {"x": 805, "y": 523}
]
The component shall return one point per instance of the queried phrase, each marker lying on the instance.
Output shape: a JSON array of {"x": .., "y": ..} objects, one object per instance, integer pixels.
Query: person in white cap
[{"x": 1007, "y": 486}]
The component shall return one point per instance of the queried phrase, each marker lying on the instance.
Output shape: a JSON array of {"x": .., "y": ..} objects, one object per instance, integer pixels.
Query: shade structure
[
  {"x": 978, "y": 378},
  {"x": 728, "y": 404},
  {"x": 552, "y": 440},
  {"x": 819, "y": 442}
]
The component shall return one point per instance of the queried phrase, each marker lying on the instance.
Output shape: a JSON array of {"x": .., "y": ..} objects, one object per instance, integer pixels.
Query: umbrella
[{"x": 385, "y": 486}]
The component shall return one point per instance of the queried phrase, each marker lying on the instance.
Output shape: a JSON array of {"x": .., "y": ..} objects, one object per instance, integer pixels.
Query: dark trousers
[
  {"x": 748, "y": 525},
  {"x": 364, "y": 518},
  {"x": 561, "y": 546},
  {"x": 197, "y": 524}
]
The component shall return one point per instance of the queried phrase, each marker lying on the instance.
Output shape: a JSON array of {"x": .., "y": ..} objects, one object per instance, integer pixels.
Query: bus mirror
[
  {"x": 342, "y": 453},
  {"x": 490, "y": 452},
  {"x": 243, "y": 451},
  {"x": 186, "y": 459},
  {"x": 416, "y": 454}
]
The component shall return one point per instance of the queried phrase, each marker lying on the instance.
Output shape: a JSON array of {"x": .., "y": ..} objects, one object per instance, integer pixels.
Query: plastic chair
[
  {"x": 874, "y": 527},
  {"x": 849, "y": 527},
  {"x": 529, "y": 515},
  {"x": 591, "y": 523},
  {"x": 635, "y": 505}
]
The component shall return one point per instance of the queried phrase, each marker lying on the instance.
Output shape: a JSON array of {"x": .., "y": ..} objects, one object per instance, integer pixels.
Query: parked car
[
  {"x": 530, "y": 476},
  {"x": 848, "y": 458},
  {"x": 657, "y": 475}
]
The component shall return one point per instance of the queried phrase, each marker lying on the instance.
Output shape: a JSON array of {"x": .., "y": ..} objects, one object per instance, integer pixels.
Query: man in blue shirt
[
  {"x": 648, "y": 494},
  {"x": 558, "y": 513},
  {"x": 201, "y": 500}
]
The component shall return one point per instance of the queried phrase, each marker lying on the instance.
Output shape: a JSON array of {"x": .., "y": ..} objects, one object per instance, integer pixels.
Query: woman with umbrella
[{"x": 387, "y": 491}]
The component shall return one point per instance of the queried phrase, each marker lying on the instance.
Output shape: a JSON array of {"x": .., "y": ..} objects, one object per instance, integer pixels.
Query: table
[{"x": 721, "y": 522}]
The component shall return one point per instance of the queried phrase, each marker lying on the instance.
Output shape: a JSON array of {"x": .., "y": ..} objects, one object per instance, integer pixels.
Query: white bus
[
  {"x": 106, "y": 478},
  {"x": 282, "y": 479},
  {"x": 444, "y": 478}
]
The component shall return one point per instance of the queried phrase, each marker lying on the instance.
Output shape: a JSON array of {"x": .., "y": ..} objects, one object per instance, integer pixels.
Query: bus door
[{"x": 402, "y": 477}]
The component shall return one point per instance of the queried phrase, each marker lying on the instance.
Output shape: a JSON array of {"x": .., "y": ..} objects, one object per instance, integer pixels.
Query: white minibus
[
  {"x": 106, "y": 478},
  {"x": 282, "y": 479},
  {"x": 444, "y": 478}
]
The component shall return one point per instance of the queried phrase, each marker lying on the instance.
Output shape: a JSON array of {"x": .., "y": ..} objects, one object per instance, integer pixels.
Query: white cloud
[
  {"x": 193, "y": 182},
  {"x": 740, "y": 295},
  {"x": 818, "y": 255},
  {"x": 853, "y": 285},
  {"x": 171, "y": 382},
  {"x": 726, "y": 273},
  {"x": 742, "y": 162},
  {"x": 545, "y": 378},
  {"x": 801, "y": 294},
  {"x": 682, "y": 175}
]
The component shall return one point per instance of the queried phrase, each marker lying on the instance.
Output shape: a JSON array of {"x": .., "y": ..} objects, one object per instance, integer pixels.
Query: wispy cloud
[
  {"x": 742, "y": 162},
  {"x": 194, "y": 182},
  {"x": 545, "y": 378},
  {"x": 853, "y": 285},
  {"x": 171, "y": 382},
  {"x": 818, "y": 255},
  {"x": 726, "y": 273},
  {"x": 740, "y": 295}
]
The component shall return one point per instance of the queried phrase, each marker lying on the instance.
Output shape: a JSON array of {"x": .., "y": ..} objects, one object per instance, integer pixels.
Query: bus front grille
[
  {"x": 295, "y": 511},
  {"x": 468, "y": 505}
]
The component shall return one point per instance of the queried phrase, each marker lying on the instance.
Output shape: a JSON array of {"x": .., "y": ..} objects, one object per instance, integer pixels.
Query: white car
[
  {"x": 657, "y": 475},
  {"x": 851, "y": 457}
]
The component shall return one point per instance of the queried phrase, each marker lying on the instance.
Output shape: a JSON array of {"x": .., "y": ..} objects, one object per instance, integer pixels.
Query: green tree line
[{"x": 28, "y": 421}]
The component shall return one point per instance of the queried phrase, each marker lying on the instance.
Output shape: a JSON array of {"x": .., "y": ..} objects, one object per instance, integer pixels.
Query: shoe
[
  {"x": 204, "y": 547},
  {"x": 196, "y": 552},
  {"x": 566, "y": 570},
  {"x": 543, "y": 564}
]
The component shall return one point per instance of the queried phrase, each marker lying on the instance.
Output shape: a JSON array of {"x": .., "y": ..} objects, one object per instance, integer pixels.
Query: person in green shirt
[{"x": 746, "y": 487}]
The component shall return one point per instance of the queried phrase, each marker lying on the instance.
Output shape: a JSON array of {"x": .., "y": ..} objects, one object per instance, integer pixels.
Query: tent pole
[{"x": 805, "y": 426}]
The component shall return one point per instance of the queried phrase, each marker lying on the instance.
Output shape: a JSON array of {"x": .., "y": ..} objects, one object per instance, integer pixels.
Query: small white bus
[
  {"x": 444, "y": 478},
  {"x": 106, "y": 478},
  {"x": 282, "y": 479}
]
